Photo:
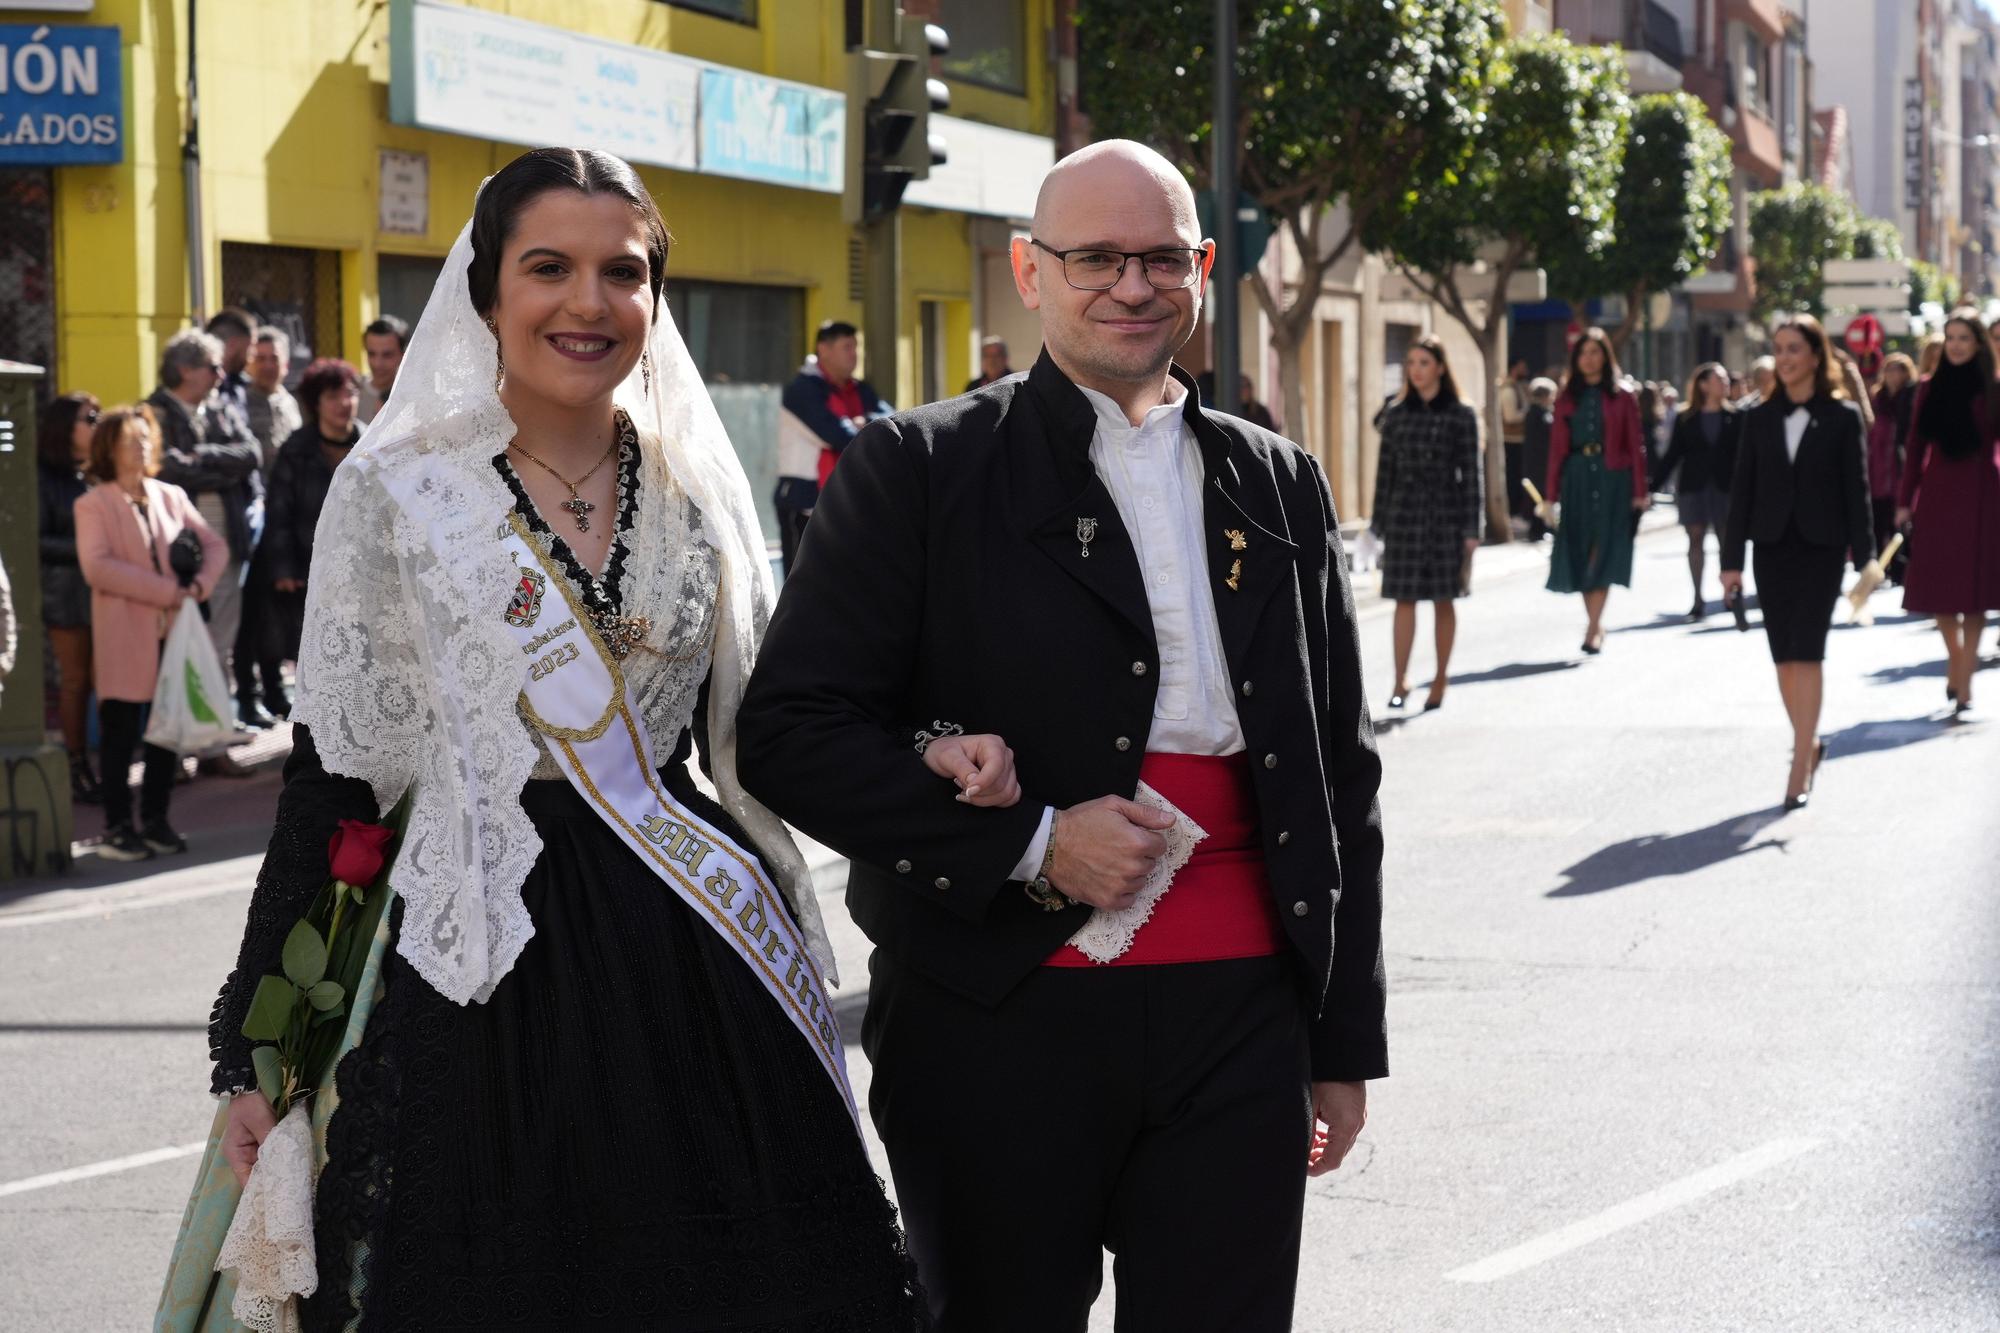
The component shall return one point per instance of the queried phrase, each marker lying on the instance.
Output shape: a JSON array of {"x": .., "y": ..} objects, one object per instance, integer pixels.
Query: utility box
[{"x": 35, "y": 825}]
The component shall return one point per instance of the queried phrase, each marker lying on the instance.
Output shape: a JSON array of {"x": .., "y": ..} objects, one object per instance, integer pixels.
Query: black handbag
[{"x": 184, "y": 555}]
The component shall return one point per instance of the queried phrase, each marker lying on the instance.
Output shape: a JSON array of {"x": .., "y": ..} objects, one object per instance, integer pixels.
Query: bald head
[{"x": 1115, "y": 178}]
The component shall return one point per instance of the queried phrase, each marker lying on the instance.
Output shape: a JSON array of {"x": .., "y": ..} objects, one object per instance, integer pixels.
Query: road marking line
[
  {"x": 238, "y": 874},
  {"x": 116, "y": 1164},
  {"x": 1633, "y": 1211}
]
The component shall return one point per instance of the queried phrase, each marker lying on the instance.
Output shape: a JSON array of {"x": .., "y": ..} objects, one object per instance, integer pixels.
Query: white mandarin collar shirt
[{"x": 1154, "y": 473}]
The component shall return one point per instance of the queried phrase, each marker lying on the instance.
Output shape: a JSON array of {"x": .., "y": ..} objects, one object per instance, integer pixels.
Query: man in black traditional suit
[{"x": 1129, "y": 605}]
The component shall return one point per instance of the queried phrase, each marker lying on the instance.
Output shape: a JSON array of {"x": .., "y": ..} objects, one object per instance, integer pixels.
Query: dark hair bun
[{"x": 532, "y": 175}]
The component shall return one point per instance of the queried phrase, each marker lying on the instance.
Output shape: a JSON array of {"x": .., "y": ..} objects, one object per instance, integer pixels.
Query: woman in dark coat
[
  {"x": 1950, "y": 492},
  {"x": 1704, "y": 449},
  {"x": 1895, "y": 403},
  {"x": 62, "y": 452},
  {"x": 1429, "y": 508},
  {"x": 1597, "y": 469},
  {"x": 1801, "y": 494},
  {"x": 329, "y": 395}
]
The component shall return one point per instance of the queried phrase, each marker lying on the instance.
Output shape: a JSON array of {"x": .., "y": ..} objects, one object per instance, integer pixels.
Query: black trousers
[
  {"x": 1163, "y": 1113},
  {"x": 791, "y": 531},
  {"x": 120, "y": 725}
]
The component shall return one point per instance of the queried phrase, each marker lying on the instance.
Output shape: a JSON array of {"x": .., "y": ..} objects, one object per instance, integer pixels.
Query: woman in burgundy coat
[{"x": 1951, "y": 494}]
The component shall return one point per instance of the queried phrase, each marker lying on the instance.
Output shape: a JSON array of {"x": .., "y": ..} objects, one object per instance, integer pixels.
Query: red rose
[{"x": 356, "y": 851}]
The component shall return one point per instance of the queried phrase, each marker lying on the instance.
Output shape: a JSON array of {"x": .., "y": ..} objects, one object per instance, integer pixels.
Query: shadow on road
[
  {"x": 90, "y": 871},
  {"x": 1665, "y": 855},
  {"x": 1515, "y": 671},
  {"x": 1874, "y": 737}
]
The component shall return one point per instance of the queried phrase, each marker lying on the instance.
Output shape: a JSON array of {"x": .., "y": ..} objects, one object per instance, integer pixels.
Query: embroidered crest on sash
[{"x": 527, "y": 604}]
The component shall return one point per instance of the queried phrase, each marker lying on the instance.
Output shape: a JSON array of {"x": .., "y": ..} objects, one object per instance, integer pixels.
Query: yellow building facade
[{"x": 320, "y": 211}]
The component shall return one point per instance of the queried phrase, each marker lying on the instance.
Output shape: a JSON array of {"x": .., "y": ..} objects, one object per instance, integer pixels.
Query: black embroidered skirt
[{"x": 628, "y": 1135}]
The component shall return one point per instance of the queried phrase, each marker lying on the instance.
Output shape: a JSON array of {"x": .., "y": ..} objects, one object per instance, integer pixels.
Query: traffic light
[{"x": 890, "y": 98}]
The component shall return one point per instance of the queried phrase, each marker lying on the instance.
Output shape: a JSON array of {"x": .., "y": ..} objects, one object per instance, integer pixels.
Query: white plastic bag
[{"x": 191, "y": 698}]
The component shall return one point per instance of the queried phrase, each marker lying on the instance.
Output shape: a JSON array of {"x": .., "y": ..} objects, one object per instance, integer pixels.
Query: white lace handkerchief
[
  {"x": 1108, "y": 934},
  {"x": 270, "y": 1241}
]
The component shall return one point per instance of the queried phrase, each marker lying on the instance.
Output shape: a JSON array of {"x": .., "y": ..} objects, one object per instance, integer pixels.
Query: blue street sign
[{"x": 61, "y": 95}]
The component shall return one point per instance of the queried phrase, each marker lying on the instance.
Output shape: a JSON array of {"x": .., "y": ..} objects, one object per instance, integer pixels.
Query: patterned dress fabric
[{"x": 1429, "y": 498}]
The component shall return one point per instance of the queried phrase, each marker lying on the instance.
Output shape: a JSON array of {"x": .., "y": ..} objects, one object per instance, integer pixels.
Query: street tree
[
  {"x": 1543, "y": 181},
  {"x": 1354, "y": 102},
  {"x": 1793, "y": 232},
  {"x": 1670, "y": 214}
]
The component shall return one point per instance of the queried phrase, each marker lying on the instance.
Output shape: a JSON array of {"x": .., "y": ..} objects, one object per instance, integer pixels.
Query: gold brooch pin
[
  {"x": 1237, "y": 541},
  {"x": 1235, "y": 579}
]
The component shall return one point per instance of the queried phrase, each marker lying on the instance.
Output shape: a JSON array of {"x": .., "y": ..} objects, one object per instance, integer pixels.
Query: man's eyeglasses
[{"x": 1170, "y": 270}]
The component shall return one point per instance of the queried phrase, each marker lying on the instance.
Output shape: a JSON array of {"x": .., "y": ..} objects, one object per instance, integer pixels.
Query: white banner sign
[{"x": 493, "y": 77}]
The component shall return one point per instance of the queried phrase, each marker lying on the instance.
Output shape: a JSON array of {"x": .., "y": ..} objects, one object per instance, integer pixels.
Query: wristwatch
[{"x": 1041, "y": 890}]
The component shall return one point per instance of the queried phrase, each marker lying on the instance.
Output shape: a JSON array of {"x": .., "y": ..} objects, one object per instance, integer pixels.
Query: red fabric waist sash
[{"x": 1219, "y": 905}]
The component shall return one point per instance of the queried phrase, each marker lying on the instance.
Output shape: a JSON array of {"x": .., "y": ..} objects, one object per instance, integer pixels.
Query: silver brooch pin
[{"x": 1086, "y": 532}]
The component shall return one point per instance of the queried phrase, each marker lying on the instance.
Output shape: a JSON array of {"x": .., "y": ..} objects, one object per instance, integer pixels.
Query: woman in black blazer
[
  {"x": 1704, "y": 449},
  {"x": 1801, "y": 494}
]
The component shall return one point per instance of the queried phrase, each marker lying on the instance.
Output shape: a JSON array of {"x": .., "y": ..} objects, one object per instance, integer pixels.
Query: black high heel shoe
[{"x": 1399, "y": 698}]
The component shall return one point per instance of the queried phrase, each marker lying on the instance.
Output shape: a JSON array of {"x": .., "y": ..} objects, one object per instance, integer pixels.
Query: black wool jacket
[
  {"x": 942, "y": 580},
  {"x": 1823, "y": 494}
]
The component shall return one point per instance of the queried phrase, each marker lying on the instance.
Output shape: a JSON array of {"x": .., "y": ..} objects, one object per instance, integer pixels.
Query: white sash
[{"x": 576, "y": 698}]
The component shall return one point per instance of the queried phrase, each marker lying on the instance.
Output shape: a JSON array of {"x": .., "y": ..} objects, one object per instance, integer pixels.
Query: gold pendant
[
  {"x": 1237, "y": 541},
  {"x": 1235, "y": 579}
]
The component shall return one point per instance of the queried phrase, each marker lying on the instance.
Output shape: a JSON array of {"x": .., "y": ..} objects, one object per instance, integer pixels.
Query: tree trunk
[
  {"x": 1291, "y": 382},
  {"x": 1492, "y": 343}
]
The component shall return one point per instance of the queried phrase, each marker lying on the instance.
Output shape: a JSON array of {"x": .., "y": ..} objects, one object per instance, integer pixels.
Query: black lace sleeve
[{"x": 312, "y": 804}]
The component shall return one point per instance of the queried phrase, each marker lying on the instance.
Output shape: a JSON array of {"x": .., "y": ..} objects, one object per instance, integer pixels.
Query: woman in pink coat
[{"x": 125, "y": 530}]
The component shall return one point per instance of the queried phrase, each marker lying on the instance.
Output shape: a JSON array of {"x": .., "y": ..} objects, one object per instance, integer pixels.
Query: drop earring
[
  {"x": 646, "y": 370},
  {"x": 499, "y": 361}
]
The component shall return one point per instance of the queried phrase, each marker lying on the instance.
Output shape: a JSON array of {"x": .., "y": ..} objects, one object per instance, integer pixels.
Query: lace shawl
[{"x": 407, "y": 673}]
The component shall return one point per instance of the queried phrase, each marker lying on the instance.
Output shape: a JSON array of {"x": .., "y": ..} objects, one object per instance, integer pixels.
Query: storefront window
[
  {"x": 743, "y": 11},
  {"x": 27, "y": 271},
  {"x": 405, "y": 282},
  {"x": 989, "y": 41},
  {"x": 747, "y": 342},
  {"x": 290, "y": 287}
]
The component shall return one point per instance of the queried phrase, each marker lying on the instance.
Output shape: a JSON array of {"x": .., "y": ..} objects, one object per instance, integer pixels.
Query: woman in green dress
[{"x": 1597, "y": 469}]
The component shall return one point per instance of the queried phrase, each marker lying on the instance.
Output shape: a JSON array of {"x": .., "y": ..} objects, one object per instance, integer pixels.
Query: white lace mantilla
[{"x": 407, "y": 673}]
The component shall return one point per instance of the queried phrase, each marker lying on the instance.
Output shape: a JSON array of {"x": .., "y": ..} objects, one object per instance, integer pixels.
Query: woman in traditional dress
[
  {"x": 1950, "y": 494},
  {"x": 1429, "y": 508},
  {"x": 600, "y": 1086},
  {"x": 1597, "y": 468}
]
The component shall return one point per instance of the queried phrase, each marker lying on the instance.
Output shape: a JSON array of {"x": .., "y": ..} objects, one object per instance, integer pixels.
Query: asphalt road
[{"x": 1664, "y": 1059}]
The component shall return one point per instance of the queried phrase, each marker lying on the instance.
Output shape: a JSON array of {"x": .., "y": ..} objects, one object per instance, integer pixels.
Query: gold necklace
[{"x": 579, "y": 508}]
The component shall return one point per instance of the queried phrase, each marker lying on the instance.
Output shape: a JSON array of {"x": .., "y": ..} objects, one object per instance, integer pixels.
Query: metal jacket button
[
  {"x": 1300, "y": 909},
  {"x": 902, "y": 867},
  {"x": 1284, "y": 838},
  {"x": 1138, "y": 668},
  {"x": 1248, "y": 689},
  {"x": 1270, "y": 761},
  {"x": 1123, "y": 743},
  {"x": 943, "y": 883}
]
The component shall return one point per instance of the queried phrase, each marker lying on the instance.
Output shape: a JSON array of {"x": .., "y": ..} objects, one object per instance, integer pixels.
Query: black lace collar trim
[{"x": 603, "y": 595}]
